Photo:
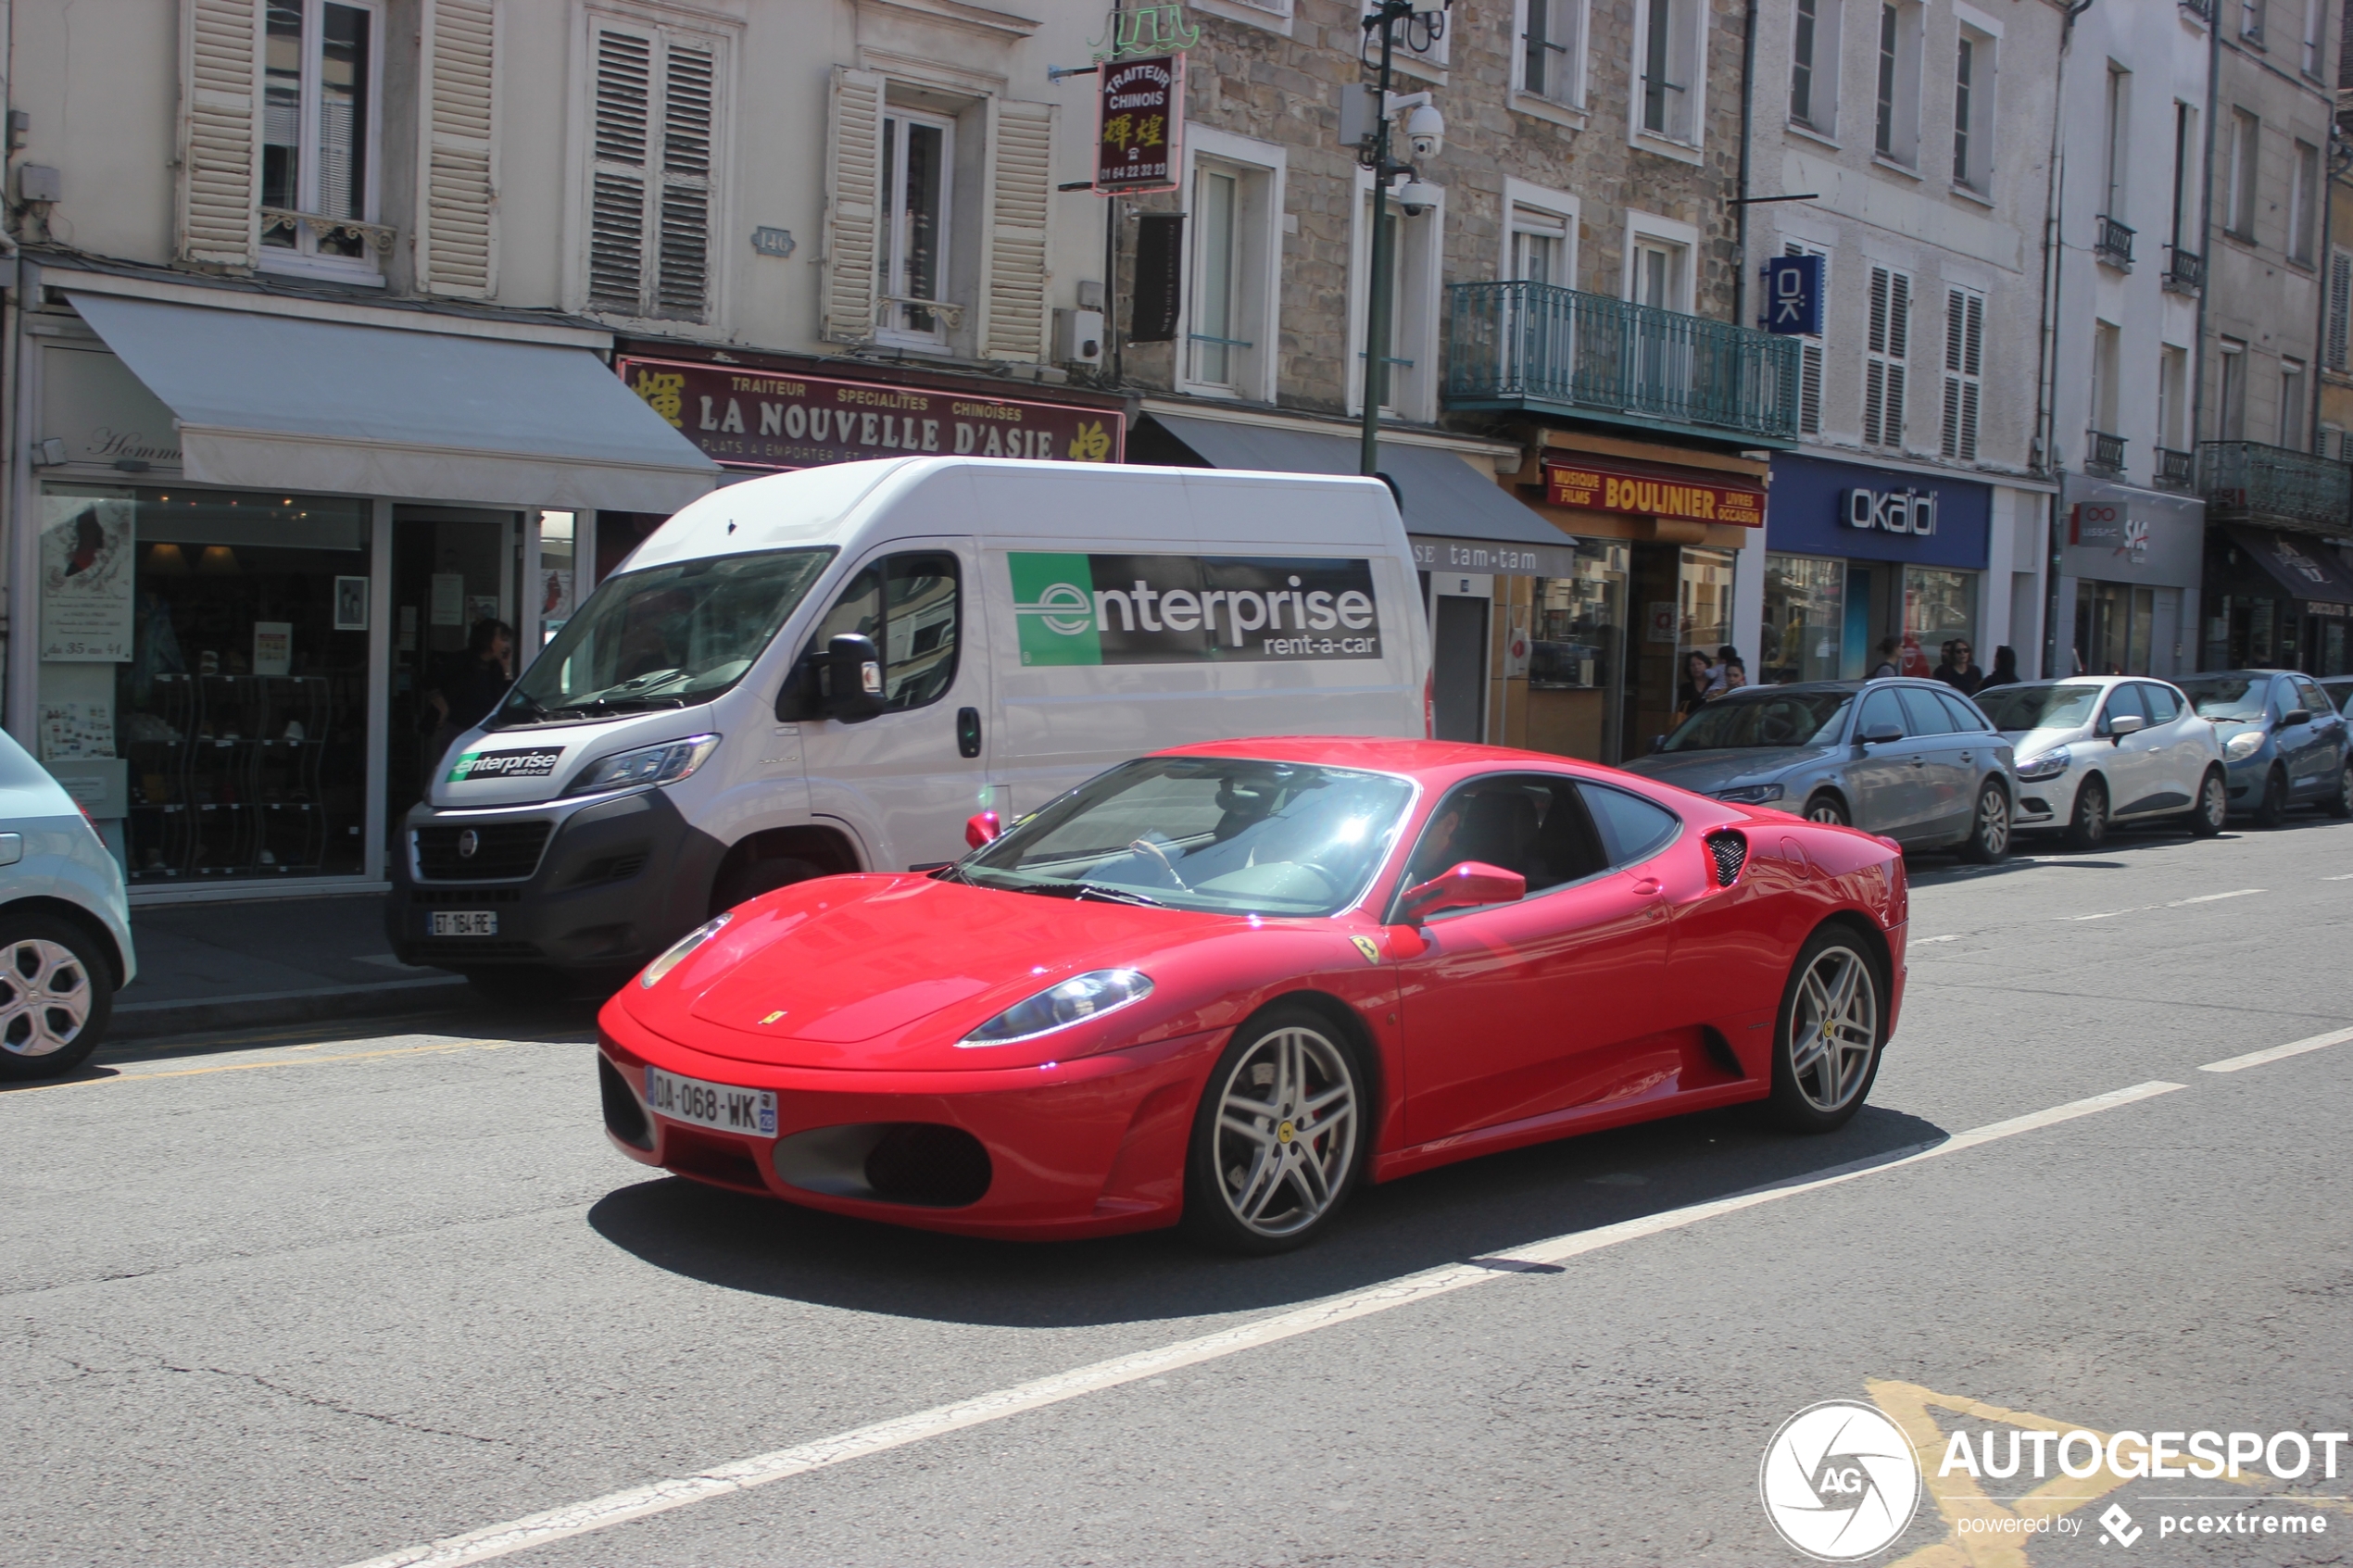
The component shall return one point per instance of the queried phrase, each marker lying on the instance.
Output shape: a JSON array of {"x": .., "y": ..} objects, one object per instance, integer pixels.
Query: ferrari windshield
[
  {"x": 1786, "y": 718},
  {"x": 1228, "y": 835},
  {"x": 2228, "y": 698},
  {"x": 665, "y": 637},
  {"x": 2040, "y": 708}
]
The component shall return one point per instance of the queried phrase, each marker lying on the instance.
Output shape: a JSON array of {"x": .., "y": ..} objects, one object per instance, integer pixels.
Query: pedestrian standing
[
  {"x": 471, "y": 691},
  {"x": 1889, "y": 648},
  {"x": 1960, "y": 670},
  {"x": 2004, "y": 668},
  {"x": 1697, "y": 675}
]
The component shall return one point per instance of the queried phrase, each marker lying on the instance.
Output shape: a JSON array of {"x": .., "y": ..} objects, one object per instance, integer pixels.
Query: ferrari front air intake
[{"x": 1729, "y": 851}]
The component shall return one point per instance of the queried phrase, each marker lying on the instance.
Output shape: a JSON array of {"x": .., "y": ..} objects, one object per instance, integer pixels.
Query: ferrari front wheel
[
  {"x": 1275, "y": 1139},
  {"x": 1832, "y": 1024}
]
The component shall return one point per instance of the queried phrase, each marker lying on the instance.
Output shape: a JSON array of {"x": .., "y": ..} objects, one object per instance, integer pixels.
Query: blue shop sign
[
  {"x": 1818, "y": 508},
  {"x": 1793, "y": 296}
]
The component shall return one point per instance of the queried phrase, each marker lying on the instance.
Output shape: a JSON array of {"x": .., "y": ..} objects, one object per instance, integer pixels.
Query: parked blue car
[{"x": 2283, "y": 741}]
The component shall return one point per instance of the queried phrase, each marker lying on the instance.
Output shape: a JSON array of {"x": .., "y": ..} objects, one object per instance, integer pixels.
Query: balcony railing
[
  {"x": 2103, "y": 453},
  {"x": 2184, "y": 271},
  {"x": 2112, "y": 242},
  {"x": 2248, "y": 481},
  {"x": 1530, "y": 345},
  {"x": 2202, "y": 9},
  {"x": 2175, "y": 470}
]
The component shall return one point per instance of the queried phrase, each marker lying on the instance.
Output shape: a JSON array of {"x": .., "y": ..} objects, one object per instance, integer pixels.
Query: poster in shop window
[{"x": 86, "y": 589}]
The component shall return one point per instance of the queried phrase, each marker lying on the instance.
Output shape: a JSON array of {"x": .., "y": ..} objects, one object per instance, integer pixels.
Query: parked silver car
[
  {"x": 2099, "y": 749},
  {"x": 64, "y": 925},
  {"x": 1914, "y": 760}
]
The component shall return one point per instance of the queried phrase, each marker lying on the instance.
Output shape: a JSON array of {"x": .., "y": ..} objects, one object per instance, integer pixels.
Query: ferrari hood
[{"x": 837, "y": 972}]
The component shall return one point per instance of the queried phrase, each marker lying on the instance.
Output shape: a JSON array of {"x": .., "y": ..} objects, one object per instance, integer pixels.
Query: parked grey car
[
  {"x": 64, "y": 925},
  {"x": 1914, "y": 760}
]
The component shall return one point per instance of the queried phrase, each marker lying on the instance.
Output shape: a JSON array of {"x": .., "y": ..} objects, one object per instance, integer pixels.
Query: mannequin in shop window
[{"x": 468, "y": 692}]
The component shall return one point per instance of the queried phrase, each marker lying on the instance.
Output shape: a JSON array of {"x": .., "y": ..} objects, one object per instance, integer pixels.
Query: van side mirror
[
  {"x": 1880, "y": 734},
  {"x": 2297, "y": 715},
  {"x": 2126, "y": 724},
  {"x": 849, "y": 682},
  {"x": 1467, "y": 885},
  {"x": 982, "y": 828}
]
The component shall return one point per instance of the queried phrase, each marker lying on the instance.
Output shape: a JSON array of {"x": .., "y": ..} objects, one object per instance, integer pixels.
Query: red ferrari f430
[{"x": 1223, "y": 985}]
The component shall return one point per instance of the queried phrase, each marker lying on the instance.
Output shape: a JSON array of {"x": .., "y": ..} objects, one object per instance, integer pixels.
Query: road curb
[{"x": 139, "y": 1021}]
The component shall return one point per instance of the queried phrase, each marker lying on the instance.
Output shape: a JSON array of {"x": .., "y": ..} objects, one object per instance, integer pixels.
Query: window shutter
[
  {"x": 1878, "y": 341},
  {"x": 1809, "y": 389},
  {"x": 219, "y": 136},
  {"x": 1874, "y": 399},
  {"x": 456, "y": 235},
  {"x": 2340, "y": 308},
  {"x": 682, "y": 287},
  {"x": 1964, "y": 362},
  {"x": 622, "y": 93},
  {"x": 1013, "y": 291},
  {"x": 1899, "y": 317},
  {"x": 853, "y": 193}
]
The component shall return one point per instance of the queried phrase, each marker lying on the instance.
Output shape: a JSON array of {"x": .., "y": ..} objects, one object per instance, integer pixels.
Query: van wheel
[
  {"x": 2212, "y": 812},
  {"x": 753, "y": 878},
  {"x": 56, "y": 995},
  {"x": 2087, "y": 827}
]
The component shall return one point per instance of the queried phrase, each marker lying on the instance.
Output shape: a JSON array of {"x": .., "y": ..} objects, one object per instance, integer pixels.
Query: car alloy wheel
[
  {"x": 2087, "y": 829},
  {"x": 1828, "y": 1052},
  {"x": 1276, "y": 1141},
  {"x": 2340, "y": 800},
  {"x": 2213, "y": 812},
  {"x": 1989, "y": 836},
  {"x": 1826, "y": 809},
  {"x": 2271, "y": 810}
]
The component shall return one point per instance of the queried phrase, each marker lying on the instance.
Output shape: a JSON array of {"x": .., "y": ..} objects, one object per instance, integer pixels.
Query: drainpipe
[
  {"x": 1748, "y": 114},
  {"x": 2046, "y": 349},
  {"x": 2205, "y": 288}
]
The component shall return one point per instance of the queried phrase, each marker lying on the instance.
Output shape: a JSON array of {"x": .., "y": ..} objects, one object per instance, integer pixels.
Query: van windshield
[{"x": 668, "y": 637}]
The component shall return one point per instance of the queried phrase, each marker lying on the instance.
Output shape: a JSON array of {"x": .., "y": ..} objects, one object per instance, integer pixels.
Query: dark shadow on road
[
  {"x": 548, "y": 1021},
  {"x": 1481, "y": 1208}
]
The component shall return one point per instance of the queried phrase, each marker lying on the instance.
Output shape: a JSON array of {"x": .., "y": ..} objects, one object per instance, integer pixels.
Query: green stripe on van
[{"x": 1054, "y": 609}]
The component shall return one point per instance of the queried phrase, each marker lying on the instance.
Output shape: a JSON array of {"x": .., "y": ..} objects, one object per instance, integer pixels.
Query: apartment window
[
  {"x": 651, "y": 195},
  {"x": 1810, "y": 352},
  {"x": 2173, "y": 398},
  {"x": 2115, "y": 130},
  {"x": 1414, "y": 307},
  {"x": 1659, "y": 273},
  {"x": 1887, "y": 350},
  {"x": 319, "y": 134},
  {"x": 1227, "y": 330},
  {"x": 1415, "y": 44},
  {"x": 2251, "y": 18},
  {"x": 910, "y": 255},
  {"x": 1964, "y": 371},
  {"x": 2338, "y": 325},
  {"x": 1813, "y": 71},
  {"x": 1895, "y": 123},
  {"x": 2303, "y": 202},
  {"x": 2245, "y": 136},
  {"x": 2107, "y": 348},
  {"x": 1668, "y": 47},
  {"x": 2310, "y": 58},
  {"x": 1552, "y": 49},
  {"x": 2184, "y": 149},
  {"x": 2292, "y": 422},
  {"x": 2232, "y": 414},
  {"x": 1973, "y": 110},
  {"x": 1539, "y": 247},
  {"x": 1216, "y": 263}
]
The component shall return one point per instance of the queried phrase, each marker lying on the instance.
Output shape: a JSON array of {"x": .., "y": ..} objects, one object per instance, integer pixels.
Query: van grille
[{"x": 502, "y": 851}]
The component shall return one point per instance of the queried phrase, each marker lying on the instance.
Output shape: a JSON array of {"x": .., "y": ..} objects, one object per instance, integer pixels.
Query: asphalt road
[{"x": 308, "y": 1300}]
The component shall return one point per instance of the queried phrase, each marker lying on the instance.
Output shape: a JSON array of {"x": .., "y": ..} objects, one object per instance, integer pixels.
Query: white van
[{"x": 833, "y": 669}]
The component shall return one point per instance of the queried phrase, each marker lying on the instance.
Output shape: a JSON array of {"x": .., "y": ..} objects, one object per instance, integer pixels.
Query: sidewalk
[{"x": 273, "y": 961}]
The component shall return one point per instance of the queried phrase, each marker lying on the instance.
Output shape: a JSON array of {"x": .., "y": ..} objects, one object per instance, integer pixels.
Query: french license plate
[
  {"x": 720, "y": 1106},
  {"x": 465, "y": 923}
]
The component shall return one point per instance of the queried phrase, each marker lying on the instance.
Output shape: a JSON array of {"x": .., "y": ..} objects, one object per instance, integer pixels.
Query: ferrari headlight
[
  {"x": 680, "y": 949},
  {"x": 1058, "y": 1007},
  {"x": 1749, "y": 794},
  {"x": 2242, "y": 747},
  {"x": 2049, "y": 765},
  {"x": 666, "y": 764}
]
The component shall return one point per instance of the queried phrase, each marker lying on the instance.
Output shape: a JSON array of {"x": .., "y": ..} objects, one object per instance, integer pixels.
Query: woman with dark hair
[
  {"x": 469, "y": 694},
  {"x": 1696, "y": 674},
  {"x": 2004, "y": 668}
]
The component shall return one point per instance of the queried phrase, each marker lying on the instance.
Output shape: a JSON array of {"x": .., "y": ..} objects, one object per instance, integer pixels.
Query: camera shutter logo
[
  {"x": 468, "y": 841},
  {"x": 1839, "y": 1481}
]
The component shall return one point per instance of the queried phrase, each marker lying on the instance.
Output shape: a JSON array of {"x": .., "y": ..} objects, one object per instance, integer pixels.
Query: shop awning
[
  {"x": 2306, "y": 570},
  {"x": 1455, "y": 519},
  {"x": 286, "y": 403}
]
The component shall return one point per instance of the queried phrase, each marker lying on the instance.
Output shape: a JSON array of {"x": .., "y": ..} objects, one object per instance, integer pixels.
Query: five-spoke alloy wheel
[
  {"x": 1276, "y": 1137},
  {"x": 1833, "y": 1018},
  {"x": 1989, "y": 838}
]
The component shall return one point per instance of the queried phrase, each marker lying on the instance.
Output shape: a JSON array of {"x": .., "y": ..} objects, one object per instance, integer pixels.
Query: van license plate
[
  {"x": 465, "y": 923},
  {"x": 728, "y": 1109}
]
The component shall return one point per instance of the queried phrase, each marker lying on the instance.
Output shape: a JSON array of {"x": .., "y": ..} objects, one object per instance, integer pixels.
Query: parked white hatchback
[
  {"x": 64, "y": 925},
  {"x": 2096, "y": 750}
]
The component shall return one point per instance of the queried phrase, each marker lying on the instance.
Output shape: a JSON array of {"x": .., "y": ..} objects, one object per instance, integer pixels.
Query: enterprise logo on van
[
  {"x": 534, "y": 762},
  {"x": 1183, "y": 610}
]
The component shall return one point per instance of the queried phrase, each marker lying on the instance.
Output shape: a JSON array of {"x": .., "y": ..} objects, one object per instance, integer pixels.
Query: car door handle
[
  {"x": 1919, "y": 761},
  {"x": 968, "y": 732},
  {"x": 1967, "y": 756},
  {"x": 1647, "y": 886}
]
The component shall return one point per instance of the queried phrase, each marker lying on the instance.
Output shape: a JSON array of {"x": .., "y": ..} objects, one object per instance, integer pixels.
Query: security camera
[
  {"x": 1425, "y": 131},
  {"x": 1414, "y": 198}
]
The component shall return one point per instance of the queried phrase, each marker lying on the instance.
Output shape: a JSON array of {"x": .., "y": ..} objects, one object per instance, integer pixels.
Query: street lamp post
[{"x": 1431, "y": 16}]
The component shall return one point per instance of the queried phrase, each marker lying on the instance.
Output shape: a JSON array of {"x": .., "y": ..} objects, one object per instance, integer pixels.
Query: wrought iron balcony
[
  {"x": 2248, "y": 481},
  {"x": 2202, "y": 9},
  {"x": 2184, "y": 271},
  {"x": 1557, "y": 350},
  {"x": 2175, "y": 470},
  {"x": 2112, "y": 242},
  {"x": 2102, "y": 452}
]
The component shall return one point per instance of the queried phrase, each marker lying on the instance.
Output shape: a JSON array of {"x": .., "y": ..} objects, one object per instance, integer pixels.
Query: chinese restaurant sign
[
  {"x": 765, "y": 420},
  {"x": 1143, "y": 109},
  {"x": 1596, "y": 488}
]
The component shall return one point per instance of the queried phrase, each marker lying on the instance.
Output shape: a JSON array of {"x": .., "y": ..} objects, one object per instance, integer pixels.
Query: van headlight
[
  {"x": 2049, "y": 765},
  {"x": 666, "y": 764},
  {"x": 1058, "y": 1007},
  {"x": 2242, "y": 747},
  {"x": 680, "y": 949}
]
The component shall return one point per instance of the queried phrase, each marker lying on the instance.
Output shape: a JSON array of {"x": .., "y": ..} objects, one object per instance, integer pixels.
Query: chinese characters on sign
[
  {"x": 765, "y": 420},
  {"x": 1598, "y": 489},
  {"x": 1143, "y": 109}
]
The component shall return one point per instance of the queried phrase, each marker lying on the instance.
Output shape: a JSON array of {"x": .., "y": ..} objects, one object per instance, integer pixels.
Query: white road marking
[
  {"x": 1926, "y": 940},
  {"x": 679, "y": 1491},
  {"x": 2210, "y": 898},
  {"x": 2276, "y": 1053},
  {"x": 2346, "y": 877},
  {"x": 2176, "y": 904}
]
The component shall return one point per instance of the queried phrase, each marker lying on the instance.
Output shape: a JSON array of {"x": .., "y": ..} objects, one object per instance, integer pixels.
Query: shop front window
[
  {"x": 1577, "y": 649},
  {"x": 2114, "y": 628},
  {"x": 1704, "y": 592},
  {"x": 1939, "y": 606},
  {"x": 221, "y": 657},
  {"x": 1805, "y": 619}
]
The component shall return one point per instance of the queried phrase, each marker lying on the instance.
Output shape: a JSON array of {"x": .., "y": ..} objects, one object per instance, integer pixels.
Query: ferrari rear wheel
[
  {"x": 1276, "y": 1137},
  {"x": 1826, "y": 1053}
]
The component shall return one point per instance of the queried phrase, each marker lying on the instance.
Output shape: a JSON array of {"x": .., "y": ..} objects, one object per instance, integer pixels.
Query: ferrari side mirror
[
  {"x": 1464, "y": 885},
  {"x": 982, "y": 828}
]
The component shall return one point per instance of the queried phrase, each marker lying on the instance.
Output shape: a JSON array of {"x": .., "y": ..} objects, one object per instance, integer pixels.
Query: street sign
[
  {"x": 1143, "y": 105},
  {"x": 1793, "y": 296}
]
